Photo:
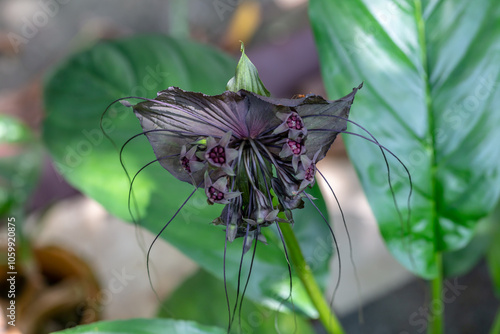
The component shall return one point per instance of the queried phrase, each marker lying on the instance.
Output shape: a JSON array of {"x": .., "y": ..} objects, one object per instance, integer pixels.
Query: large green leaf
[
  {"x": 20, "y": 166},
  {"x": 211, "y": 300},
  {"x": 144, "y": 326},
  {"x": 494, "y": 252},
  {"x": 431, "y": 95},
  {"x": 459, "y": 262},
  {"x": 75, "y": 97}
]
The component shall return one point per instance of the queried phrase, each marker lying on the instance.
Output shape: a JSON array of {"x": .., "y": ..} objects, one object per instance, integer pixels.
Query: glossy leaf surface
[
  {"x": 144, "y": 326},
  {"x": 493, "y": 255},
  {"x": 20, "y": 166},
  {"x": 431, "y": 95}
]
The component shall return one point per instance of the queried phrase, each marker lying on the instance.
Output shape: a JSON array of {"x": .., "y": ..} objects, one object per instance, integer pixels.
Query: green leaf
[
  {"x": 459, "y": 262},
  {"x": 144, "y": 326},
  {"x": 431, "y": 96},
  {"x": 75, "y": 97},
  {"x": 20, "y": 166},
  {"x": 493, "y": 255},
  {"x": 247, "y": 77},
  {"x": 211, "y": 304},
  {"x": 13, "y": 131}
]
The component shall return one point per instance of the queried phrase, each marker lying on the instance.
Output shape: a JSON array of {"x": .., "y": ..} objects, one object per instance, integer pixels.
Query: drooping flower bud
[
  {"x": 287, "y": 190},
  {"x": 263, "y": 212}
]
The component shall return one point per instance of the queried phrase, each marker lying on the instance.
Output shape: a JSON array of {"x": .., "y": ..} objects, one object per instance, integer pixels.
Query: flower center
[
  {"x": 295, "y": 146},
  {"x": 294, "y": 122},
  {"x": 217, "y": 155},
  {"x": 185, "y": 164},
  {"x": 215, "y": 194},
  {"x": 310, "y": 173}
]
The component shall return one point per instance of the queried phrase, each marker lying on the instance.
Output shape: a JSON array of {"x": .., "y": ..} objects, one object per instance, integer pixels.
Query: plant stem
[
  {"x": 495, "y": 328},
  {"x": 436, "y": 324},
  {"x": 326, "y": 316}
]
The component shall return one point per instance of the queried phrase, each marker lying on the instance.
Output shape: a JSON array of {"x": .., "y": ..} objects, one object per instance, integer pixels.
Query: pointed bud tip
[{"x": 246, "y": 77}]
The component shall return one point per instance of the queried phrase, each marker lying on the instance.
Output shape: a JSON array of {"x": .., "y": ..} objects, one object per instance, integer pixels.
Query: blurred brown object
[
  {"x": 244, "y": 23},
  {"x": 24, "y": 103},
  {"x": 6, "y": 48},
  {"x": 54, "y": 291}
]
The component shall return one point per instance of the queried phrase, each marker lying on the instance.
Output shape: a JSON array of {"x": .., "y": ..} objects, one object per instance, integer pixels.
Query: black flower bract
[{"x": 254, "y": 154}]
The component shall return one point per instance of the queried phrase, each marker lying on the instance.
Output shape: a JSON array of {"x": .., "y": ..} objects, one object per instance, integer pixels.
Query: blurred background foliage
[{"x": 421, "y": 63}]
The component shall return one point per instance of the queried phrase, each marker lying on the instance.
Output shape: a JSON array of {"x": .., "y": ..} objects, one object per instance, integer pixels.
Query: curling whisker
[
  {"x": 356, "y": 275},
  {"x": 137, "y": 173},
  {"x": 158, "y": 235}
]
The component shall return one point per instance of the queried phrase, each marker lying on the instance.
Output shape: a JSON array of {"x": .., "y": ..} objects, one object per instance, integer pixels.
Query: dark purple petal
[
  {"x": 168, "y": 144},
  {"x": 331, "y": 117},
  {"x": 318, "y": 113},
  {"x": 177, "y": 118},
  {"x": 191, "y": 110},
  {"x": 261, "y": 114}
]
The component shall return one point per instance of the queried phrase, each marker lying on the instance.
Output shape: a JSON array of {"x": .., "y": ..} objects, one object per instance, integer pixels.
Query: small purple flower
[
  {"x": 292, "y": 122},
  {"x": 306, "y": 171},
  {"x": 218, "y": 192},
  {"x": 218, "y": 154},
  {"x": 253, "y": 153},
  {"x": 189, "y": 161},
  {"x": 295, "y": 148}
]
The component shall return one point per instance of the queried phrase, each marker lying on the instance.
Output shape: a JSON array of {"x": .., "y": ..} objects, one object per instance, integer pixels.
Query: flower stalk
[
  {"x": 436, "y": 323},
  {"x": 495, "y": 328},
  {"x": 303, "y": 271}
]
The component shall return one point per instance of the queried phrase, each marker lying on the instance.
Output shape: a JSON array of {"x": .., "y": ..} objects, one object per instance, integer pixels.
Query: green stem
[
  {"x": 326, "y": 316},
  {"x": 495, "y": 328},
  {"x": 436, "y": 324}
]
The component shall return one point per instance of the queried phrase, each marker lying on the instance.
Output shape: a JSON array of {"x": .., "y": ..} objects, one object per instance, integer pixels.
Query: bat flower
[
  {"x": 295, "y": 148},
  {"x": 189, "y": 161},
  {"x": 253, "y": 153},
  {"x": 219, "y": 155},
  {"x": 292, "y": 123},
  {"x": 217, "y": 192},
  {"x": 307, "y": 171}
]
